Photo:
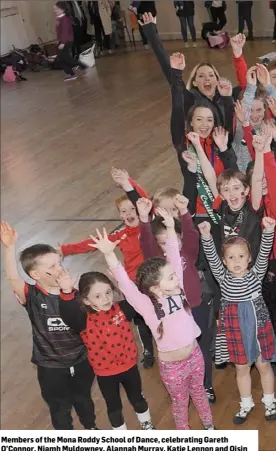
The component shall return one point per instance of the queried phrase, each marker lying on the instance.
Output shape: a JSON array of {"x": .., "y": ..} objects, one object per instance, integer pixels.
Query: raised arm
[
  {"x": 140, "y": 302},
  {"x": 131, "y": 188},
  {"x": 8, "y": 239},
  {"x": 190, "y": 236},
  {"x": 207, "y": 169},
  {"x": 237, "y": 44},
  {"x": 261, "y": 263},
  {"x": 209, "y": 248},
  {"x": 148, "y": 242},
  {"x": 172, "y": 248},
  {"x": 69, "y": 304}
]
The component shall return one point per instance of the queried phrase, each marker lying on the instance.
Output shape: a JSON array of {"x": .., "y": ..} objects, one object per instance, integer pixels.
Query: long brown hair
[
  {"x": 87, "y": 280},
  {"x": 149, "y": 275}
]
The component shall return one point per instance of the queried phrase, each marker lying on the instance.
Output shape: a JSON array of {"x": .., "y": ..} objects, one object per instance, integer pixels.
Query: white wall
[{"x": 36, "y": 18}]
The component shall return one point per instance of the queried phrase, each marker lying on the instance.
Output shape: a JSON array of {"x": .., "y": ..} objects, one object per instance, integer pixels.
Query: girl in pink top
[{"x": 160, "y": 298}]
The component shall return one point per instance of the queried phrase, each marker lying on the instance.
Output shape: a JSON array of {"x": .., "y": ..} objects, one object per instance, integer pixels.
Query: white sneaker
[
  {"x": 146, "y": 47},
  {"x": 186, "y": 45},
  {"x": 194, "y": 44},
  {"x": 274, "y": 41}
]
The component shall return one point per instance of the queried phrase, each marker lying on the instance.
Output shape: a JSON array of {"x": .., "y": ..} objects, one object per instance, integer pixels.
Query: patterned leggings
[{"x": 182, "y": 379}]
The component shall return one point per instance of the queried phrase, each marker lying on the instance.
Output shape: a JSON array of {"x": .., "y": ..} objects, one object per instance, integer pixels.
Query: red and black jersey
[
  {"x": 55, "y": 345},
  {"x": 107, "y": 334}
]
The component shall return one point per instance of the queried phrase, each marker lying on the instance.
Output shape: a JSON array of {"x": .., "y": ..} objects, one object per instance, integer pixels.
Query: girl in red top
[
  {"x": 65, "y": 38},
  {"x": 105, "y": 329}
]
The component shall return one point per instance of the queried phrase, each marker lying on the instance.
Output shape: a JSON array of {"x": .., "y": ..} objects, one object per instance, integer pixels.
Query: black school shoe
[
  {"x": 242, "y": 416},
  {"x": 270, "y": 412},
  {"x": 211, "y": 395},
  {"x": 148, "y": 360}
]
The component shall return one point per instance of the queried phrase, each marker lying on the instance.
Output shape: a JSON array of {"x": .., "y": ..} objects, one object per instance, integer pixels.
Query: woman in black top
[{"x": 185, "y": 11}]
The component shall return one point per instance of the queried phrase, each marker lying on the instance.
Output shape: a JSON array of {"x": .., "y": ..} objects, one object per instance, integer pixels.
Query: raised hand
[
  {"x": 251, "y": 76},
  {"x": 225, "y": 87},
  {"x": 269, "y": 224},
  {"x": 102, "y": 243},
  {"x": 177, "y": 61},
  {"x": 65, "y": 281},
  {"x": 242, "y": 113},
  {"x": 258, "y": 143},
  {"x": 8, "y": 235},
  {"x": 147, "y": 19},
  {"x": 272, "y": 105},
  {"x": 119, "y": 176},
  {"x": 144, "y": 207},
  {"x": 237, "y": 43},
  {"x": 194, "y": 139},
  {"x": 58, "y": 248},
  {"x": 263, "y": 75},
  {"x": 181, "y": 203},
  {"x": 190, "y": 159},
  {"x": 205, "y": 229},
  {"x": 168, "y": 220},
  {"x": 220, "y": 136}
]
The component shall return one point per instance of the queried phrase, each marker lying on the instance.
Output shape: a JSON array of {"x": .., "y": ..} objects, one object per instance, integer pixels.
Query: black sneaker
[
  {"x": 210, "y": 428},
  {"x": 147, "y": 425},
  {"x": 211, "y": 395},
  {"x": 148, "y": 360},
  {"x": 270, "y": 412},
  {"x": 242, "y": 415}
]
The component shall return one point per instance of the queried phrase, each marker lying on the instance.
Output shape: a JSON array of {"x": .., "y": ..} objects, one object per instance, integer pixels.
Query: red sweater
[
  {"x": 107, "y": 336},
  {"x": 64, "y": 30},
  {"x": 129, "y": 244},
  {"x": 270, "y": 197}
]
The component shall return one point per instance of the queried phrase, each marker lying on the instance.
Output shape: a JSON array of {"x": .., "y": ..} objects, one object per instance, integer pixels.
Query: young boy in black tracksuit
[{"x": 64, "y": 374}]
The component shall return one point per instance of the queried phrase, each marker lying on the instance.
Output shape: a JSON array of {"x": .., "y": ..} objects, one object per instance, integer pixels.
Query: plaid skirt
[{"x": 244, "y": 332}]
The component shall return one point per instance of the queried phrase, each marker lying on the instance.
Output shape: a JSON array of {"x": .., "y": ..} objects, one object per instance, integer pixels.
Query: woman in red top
[
  {"x": 65, "y": 38},
  {"x": 105, "y": 329}
]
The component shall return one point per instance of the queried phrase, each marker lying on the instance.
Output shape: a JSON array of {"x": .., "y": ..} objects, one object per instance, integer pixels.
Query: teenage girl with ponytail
[{"x": 160, "y": 298}]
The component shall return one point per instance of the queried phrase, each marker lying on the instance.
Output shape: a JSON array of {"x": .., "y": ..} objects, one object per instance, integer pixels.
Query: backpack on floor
[
  {"x": 214, "y": 39},
  {"x": 9, "y": 75}
]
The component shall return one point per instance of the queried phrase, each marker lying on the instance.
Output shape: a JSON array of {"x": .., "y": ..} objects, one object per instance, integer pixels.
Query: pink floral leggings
[{"x": 182, "y": 379}]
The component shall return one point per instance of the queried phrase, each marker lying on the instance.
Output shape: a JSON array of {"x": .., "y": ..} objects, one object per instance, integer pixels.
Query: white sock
[
  {"x": 247, "y": 403},
  {"x": 268, "y": 400},
  {"x": 143, "y": 417},
  {"x": 123, "y": 427}
]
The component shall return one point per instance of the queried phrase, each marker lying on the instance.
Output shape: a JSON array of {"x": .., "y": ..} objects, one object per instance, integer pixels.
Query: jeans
[
  {"x": 244, "y": 13},
  {"x": 184, "y": 21},
  {"x": 64, "y": 388}
]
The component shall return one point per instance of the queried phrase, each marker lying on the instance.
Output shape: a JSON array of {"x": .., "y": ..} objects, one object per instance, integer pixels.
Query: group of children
[{"x": 195, "y": 298}]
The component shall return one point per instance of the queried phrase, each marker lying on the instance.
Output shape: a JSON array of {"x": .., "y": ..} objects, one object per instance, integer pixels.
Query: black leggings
[
  {"x": 110, "y": 389},
  {"x": 144, "y": 334},
  {"x": 218, "y": 17},
  {"x": 244, "y": 13},
  {"x": 274, "y": 32},
  {"x": 65, "y": 59},
  {"x": 100, "y": 34},
  {"x": 63, "y": 389},
  {"x": 204, "y": 317}
]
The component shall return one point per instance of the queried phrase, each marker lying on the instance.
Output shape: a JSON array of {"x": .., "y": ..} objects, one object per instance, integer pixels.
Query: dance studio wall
[{"x": 37, "y": 19}]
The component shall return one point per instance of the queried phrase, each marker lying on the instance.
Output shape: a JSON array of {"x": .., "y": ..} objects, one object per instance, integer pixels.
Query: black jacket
[
  {"x": 185, "y": 8},
  {"x": 146, "y": 7}
]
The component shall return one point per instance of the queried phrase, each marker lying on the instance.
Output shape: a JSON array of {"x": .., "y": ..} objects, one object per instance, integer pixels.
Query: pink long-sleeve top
[{"x": 179, "y": 327}]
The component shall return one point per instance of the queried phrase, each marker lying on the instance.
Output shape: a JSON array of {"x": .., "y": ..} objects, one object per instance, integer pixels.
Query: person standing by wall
[
  {"x": 185, "y": 11},
  {"x": 217, "y": 10},
  {"x": 272, "y": 5},
  {"x": 100, "y": 13},
  {"x": 244, "y": 15},
  {"x": 65, "y": 39},
  {"x": 145, "y": 7}
]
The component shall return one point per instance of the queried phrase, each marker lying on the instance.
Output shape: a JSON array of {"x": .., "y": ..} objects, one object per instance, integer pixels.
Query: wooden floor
[{"x": 59, "y": 141}]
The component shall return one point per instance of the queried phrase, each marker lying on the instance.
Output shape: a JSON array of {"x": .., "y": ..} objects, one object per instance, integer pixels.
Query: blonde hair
[
  {"x": 192, "y": 77},
  {"x": 164, "y": 193},
  {"x": 120, "y": 200}
]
